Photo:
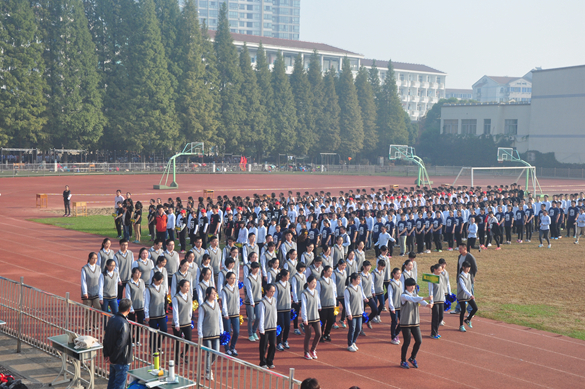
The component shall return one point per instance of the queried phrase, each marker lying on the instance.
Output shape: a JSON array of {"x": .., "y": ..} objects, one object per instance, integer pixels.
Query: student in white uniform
[
  {"x": 410, "y": 322},
  {"x": 267, "y": 327},
  {"x": 464, "y": 296},
  {"x": 210, "y": 327},
  {"x": 230, "y": 307},
  {"x": 182, "y": 311},
  {"x": 90, "y": 281}
]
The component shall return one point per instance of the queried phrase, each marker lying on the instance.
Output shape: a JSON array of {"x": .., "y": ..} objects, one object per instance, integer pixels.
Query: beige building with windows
[
  {"x": 553, "y": 122},
  {"x": 419, "y": 86}
]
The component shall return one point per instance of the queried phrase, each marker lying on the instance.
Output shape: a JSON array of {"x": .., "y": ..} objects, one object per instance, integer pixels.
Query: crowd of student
[{"x": 304, "y": 257}]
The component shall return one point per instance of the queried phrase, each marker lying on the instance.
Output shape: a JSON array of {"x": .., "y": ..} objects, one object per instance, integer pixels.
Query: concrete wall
[
  {"x": 497, "y": 113},
  {"x": 558, "y": 113}
]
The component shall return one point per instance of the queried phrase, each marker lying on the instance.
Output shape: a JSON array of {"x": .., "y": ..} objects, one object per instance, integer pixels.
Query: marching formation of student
[{"x": 303, "y": 258}]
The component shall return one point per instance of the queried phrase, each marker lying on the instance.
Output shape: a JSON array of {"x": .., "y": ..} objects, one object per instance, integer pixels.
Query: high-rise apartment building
[{"x": 269, "y": 18}]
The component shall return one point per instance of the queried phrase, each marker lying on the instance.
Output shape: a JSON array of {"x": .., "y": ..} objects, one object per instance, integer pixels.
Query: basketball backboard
[
  {"x": 401, "y": 152},
  {"x": 508, "y": 154}
]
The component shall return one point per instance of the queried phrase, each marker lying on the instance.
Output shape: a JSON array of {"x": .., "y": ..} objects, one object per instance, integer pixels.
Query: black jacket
[
  {"x": 117, "y": 340},
  {"x": 473, "y": 271}
]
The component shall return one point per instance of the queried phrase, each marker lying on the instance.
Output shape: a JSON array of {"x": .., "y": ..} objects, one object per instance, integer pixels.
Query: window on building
[
  {"x": 203, "y": 4},
  {"x": 487, "y": 126},
  {"x": 401, "y": 76},
  {"x": 439, "y": 80},
  {"x": 450, "y": 126},
  {"x": 233, "y": 15},
  {"x": 233, "y": 5},
  {"x": 511, "y": 127},
  {"x": 469, "y": 126},
  {"x": 420, "y": 78},
  {"x": 526, "y": 90}
]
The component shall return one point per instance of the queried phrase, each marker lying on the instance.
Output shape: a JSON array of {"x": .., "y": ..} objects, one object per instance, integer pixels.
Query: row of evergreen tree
[{"x": 144, "y": 76}]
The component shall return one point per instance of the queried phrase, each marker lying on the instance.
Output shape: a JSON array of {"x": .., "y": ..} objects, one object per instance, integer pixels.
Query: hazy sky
[{"x": 464, "y": 38}]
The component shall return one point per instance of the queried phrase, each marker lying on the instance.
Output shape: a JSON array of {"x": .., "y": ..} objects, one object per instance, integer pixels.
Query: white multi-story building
[
  {"x": 552, "y": 122},
  {"x": 490, "y": 89},
  {"x": 459, "y": 94},
  {"x": 268, "y": 18},
  {"x": 419, "y": 86}
]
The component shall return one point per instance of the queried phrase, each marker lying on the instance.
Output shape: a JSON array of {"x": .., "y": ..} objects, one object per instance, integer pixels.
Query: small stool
[
  {"x": 207, "y": 192},
  {"x": 42, "y": 200},
  {"x": 79, "y": 208},
  {"x": 395, "y": 186}
]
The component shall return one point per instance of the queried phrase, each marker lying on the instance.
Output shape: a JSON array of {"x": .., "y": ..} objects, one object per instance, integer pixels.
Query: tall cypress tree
[
  {"x": 151, "y": 119},
  {"x": 315, "y": 77},
  {"x": 390, "y": 115},
  {"x": 168, "y": 14},
  {"x": 196, "y": 108},
  {"x": 254, "y": 122},
  {"x": 22, "y": 102},
  {"x": 285, "y": 113},
  {"x": 75, "y": 119},
  {"x": 230, "y": 80},
  {"x": 304, "y": 104},
  {"x": 111, "y": 24},
  {"x": 211, "y": 81},
  {"x": 368, "y": 110},
  {"x": 329, "y": 133},
  {"x": 374, "y": 78},
  {"x": 351, "y": 128},
  {"x": 264, "y": 77}
]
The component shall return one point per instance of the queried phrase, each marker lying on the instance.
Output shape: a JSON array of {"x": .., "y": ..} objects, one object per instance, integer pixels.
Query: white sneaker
[
  {"x": 351, "y": 349},
  {"x": 489, "y": 245},
  {"x": 209, "y": 376},
  {"x": 355, "y": 346},
  {"x": 576, "y": 242},
  {"x": 442, "y": 323},
  {"x": 549, "y": 246},
  {"x": 394, "y": 341},
  {"x": 379, "y": 320}
]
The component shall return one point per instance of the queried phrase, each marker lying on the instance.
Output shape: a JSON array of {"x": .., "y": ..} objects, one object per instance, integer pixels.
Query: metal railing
[
  {"x": 48, "y": 169},
  {"x": 33, "y": 315}
]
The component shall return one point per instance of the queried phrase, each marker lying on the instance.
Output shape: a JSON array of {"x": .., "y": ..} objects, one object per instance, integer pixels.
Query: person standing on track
[{"x": 67, "y": 201}]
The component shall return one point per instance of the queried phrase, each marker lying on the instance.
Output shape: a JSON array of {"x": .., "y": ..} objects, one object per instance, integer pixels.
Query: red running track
[{"x": 491, "y": 355}]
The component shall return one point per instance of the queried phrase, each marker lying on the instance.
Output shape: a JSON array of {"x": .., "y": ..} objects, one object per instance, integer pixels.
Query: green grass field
[{"x": 517, "y": 284}]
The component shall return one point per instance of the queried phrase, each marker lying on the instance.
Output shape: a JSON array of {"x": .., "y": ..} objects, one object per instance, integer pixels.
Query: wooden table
[
  {"x": 78, "y": 356},
  {"x": 208, "y": 192},
  {"x": 142, "y": 374},
  {"x": 42, "y": 200},
  {"x": 79, "y": 208}
]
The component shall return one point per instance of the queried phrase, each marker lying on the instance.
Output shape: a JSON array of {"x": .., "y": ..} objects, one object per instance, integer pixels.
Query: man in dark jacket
[
  {"x": 118, "y": 346},
  {"x": 465, "y": 256}
]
